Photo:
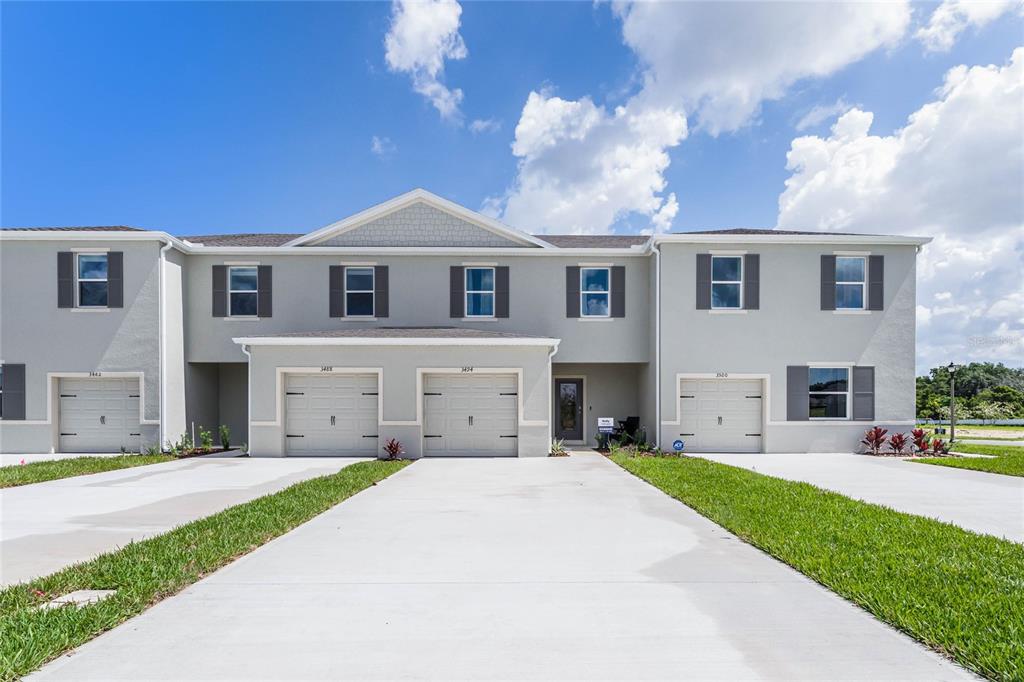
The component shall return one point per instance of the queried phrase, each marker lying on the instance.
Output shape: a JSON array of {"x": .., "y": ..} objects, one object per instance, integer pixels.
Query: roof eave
[{"x": 824, "y": 238}]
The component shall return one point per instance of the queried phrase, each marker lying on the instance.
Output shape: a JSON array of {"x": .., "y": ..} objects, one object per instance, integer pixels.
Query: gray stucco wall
[
  {"x": 420, "y": 225},
  {"x": 790, "y": 329},
  {"x": 34, "y": 331},
  {"x": 609, "y": 390},
  {"x": 399, "y": 394},
  {"x": 419, "y": 297}
]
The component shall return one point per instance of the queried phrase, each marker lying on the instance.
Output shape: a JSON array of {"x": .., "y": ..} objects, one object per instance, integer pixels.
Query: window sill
[
  {"x": 243, "y": 318},
  {"x": 356, "y": 318},
  {"x": 480, "y": 318},
  {"x": 594, "y": 318},
  {"x": 90, "y": 309},
  {"x": 852, "y": 311},
  {"x": 727, "y": 311}
]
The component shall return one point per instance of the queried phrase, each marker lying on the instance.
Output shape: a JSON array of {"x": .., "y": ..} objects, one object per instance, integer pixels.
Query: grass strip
[
  {"x": 958, "y": 592},
  {"x": 145, "y": 572},
  {"x": 1008, "y": 460},
  {"x": 53, "y": 469}
]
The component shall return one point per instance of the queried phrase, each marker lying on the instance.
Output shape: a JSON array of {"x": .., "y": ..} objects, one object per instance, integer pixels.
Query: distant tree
[{"x": 982, "y": 388}]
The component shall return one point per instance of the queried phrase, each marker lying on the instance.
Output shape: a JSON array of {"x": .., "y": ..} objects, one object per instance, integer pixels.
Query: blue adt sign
[{"x": 677, "y": 445}]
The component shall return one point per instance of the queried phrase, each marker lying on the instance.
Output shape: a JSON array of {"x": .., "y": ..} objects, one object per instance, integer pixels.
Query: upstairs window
[
  {"x": 242, "y": 291},
  {"x": 829, "y": 392},
  {"x": 850, "y": 282},
  {"x": 726, "y": 282},
  {"x": 595, "y": 292},
  {"x": 479, "y": 292},
  {"x": 358, "y": 292},
  {"x": 93, "y": 287}
]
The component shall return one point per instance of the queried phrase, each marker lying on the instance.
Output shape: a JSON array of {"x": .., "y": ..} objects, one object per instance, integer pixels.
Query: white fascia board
[
  {"x": 85, "y": 235},
  {"x": 407, "y": 199},
  {"x": 302, "y": 341},
  {"x": 466, "y": 251},
  {"x": 824, "y": 238}
]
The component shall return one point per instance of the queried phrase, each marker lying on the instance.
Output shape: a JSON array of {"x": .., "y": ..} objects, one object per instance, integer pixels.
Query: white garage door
[
  {"x": 721, "y": 415},
  {"x": 331, "y": 414},
  {"x": 99, "y": 415},
  {"x": 470, "y": 415}
]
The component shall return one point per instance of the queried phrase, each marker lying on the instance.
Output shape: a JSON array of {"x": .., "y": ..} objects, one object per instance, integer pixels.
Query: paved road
[
  {"x": 47, "y": 526},
  {"x": 975, "y": 500},
  {"x": 554, "y": 568}
]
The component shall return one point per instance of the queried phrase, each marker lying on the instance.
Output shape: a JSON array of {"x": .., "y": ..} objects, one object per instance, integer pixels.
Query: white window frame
[
  {"x": 607, "y": 293},
  {"x": 862, "y": 283},
  {"x": 848, "y": 392},
  {"x": 255, "y": 291},
  {"x": 372, "y": 290},
  {"x": 79, "y": 278},
  {"x": 726, "y": 281},
  {"x": 492, "y": 291}
]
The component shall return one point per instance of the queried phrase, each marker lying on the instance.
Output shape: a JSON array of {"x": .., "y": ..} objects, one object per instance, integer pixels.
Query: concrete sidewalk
[
  {"x": 975, "y": 500},
  {"x": 47, "y": 526},
  {"x": 542, "y": 569}
]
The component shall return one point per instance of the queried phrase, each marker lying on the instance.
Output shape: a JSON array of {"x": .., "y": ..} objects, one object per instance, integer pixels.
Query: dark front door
[{"x": 569, "y": 406}]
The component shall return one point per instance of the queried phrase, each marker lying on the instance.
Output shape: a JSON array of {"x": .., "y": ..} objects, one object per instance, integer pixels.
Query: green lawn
[
  {"x": 51, "y": 470},
  {"x": 143, "y": 573},
  {"x": 1009, "y": 459},
  {"x": 957, "y": 592}
]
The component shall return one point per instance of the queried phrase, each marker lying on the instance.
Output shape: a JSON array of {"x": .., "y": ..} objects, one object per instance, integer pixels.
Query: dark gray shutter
[
  {"x": 336, "y": 287},
  {"x": 828, "y": 282},
  {"x": 501, "y": 291},
  {"x": 14, "y": 392},
  {"x": 703, "y": 281},
  {"x": 265, "y": 291},
  {"x": 752, "y": 281},
  {"x": 876, "y": 282},
  {"x": 572, "y": 291},
  {"x": 381, "y": 291},
  {"x": 65, "y": 279},
  {"x": 798, "y": 405},
  {"x": 457, "y": 291},
  {"x": 864, "y": 393},
  {"x": 220, "y": 291},
  {"x": 115, "y": 279},
  {"x": 618, "y": 291}
]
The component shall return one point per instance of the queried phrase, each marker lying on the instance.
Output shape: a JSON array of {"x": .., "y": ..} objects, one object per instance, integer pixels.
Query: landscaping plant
[
  {"x": 558, "y": 448},
  {"x": 920, "y": 440},
  {"x": 940, "y": 447},
  {"x": 225, "y": 436},
  {"x": 874, "y": 439},
  {"x": 898, "y": 443},
  {"x": 205, "y": 440},
  {"x": 393, "y": 449}
]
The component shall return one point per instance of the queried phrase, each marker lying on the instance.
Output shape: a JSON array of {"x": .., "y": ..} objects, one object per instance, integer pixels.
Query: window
[
  {"x": 726, "y": 282},
  {"x": 829, "y": 389},
  {"x": 595, "y": 292},
  {"x": 850, "y": 282},
  {"x": 479, "y": 292},
  {"x": 92, "y": 280},
  {"x": 358, "y": 292},
  {"x": 242, "y": 291}
]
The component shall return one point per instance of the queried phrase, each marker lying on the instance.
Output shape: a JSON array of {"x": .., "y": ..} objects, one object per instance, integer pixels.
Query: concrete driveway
[
  {"x": 975, "y": 500},
  {"x": 560, "y": 568},
  {"x": 47, "y": 526}
]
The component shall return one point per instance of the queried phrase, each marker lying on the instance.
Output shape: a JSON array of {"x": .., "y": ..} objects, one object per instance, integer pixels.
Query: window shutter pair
[
  {"x": 264, "y": 291},
  {"x": 572, "y": 291},
  {"x": 13, "y": 392},
  {"x": 797, "y": 390},
  {"x": 66, "y": 279},
  {"x": 875, "y": 282},
  {"x": 457, "y": 291},
  {"x": 751, "y": 281},
  {"x": 381, "y": 291}
]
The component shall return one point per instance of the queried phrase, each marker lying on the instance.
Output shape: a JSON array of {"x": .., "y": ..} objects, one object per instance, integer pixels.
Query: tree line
[{"x": 984, "y": 390}]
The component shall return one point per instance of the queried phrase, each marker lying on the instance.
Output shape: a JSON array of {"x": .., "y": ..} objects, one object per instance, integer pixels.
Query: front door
[{"x": 569, "y": 409}]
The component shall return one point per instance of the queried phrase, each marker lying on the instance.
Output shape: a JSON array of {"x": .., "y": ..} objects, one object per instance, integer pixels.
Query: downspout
[
  {"x": 657, "y": 343},
  {"x": 248, "y": 400},
  {"x": 551, "y": 393},
  {"x": 162, "y": 360}
]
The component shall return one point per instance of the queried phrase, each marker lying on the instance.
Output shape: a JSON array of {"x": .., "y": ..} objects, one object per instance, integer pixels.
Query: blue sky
[{"x": 207, "y": 117}]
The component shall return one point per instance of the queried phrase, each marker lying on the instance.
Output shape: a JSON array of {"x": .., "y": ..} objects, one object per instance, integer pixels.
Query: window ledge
[
  {"x": 90, "y": 309},
  {"x": 356, "y": 318},
  {"x": 852, "y": 311},
  {"x": 727, "y": 311},
  {"x": 243, "y": 318},
  {"x": 594, "y": 318},
  {"x": 480, "y": 318}
]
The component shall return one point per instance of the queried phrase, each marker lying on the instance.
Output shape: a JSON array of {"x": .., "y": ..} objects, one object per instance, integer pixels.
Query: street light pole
[{"x": 952, "y": 401}]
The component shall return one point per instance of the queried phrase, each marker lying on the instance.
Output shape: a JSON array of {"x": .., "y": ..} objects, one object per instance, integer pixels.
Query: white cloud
[
  {"x": 382, "y": 146},
  {"x": 955, "y": 172},
  {"x": 583, "y": 167},
  {"x": 484, "y": 125},
  {"x": 423, "y": 34},
  {"x": 953, "y": 17},
  {"x": 821, "y": 113}
]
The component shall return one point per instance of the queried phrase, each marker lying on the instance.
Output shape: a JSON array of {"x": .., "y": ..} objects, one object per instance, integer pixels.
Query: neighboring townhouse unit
[{"x": 423, "y": 321}]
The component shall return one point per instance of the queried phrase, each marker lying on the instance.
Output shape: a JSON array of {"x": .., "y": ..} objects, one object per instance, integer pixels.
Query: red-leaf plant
[
  {"x": 920, "y": 440},
  {"x": 898, "y": 442},
  {"x": 874, "y": 439},
  {"x": 393, "y": 449},
  {"x": 940, "y": 447}
]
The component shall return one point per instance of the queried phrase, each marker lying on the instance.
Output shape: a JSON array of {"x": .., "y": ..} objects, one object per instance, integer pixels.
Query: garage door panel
[
  {"x": 721, "y": 415},
  {"x": 312, "y": 399},
  {"x": 99, "y": 414},
  {"x": 447, "y": 427}
]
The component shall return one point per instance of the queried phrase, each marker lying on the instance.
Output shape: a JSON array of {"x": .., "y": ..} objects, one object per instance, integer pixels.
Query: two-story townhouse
[{"x": 424, "y": 321}]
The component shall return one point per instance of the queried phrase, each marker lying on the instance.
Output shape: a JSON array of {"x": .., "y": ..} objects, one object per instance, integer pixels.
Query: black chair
[{"x": 626, "y": 433}]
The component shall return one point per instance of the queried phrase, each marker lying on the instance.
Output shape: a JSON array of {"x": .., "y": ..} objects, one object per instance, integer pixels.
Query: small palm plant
[
  {"x": 874, "y": 439},
  {"x": 393, "y": 449},
  {"x": 898, "y": 443}
]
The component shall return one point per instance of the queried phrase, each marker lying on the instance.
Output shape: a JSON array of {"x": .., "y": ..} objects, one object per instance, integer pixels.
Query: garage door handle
[
  {"x": 470, "y": 420},
  {"x": 432, "y": 436},
  {"x": 512, "y": 436},
  {"x": 332, "y": 420},
  {"x": 719, "y": 421},
  {"x": 103, "y": 419},
  {"x": 292, "y": 435}
]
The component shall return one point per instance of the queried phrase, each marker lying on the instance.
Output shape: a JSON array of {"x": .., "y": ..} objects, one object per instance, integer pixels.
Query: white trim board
[{"x": 377, "y": 341}]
